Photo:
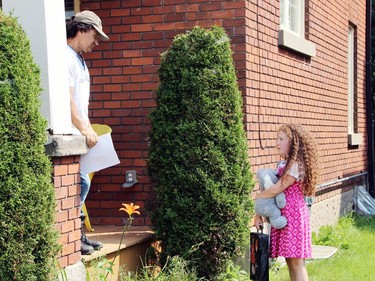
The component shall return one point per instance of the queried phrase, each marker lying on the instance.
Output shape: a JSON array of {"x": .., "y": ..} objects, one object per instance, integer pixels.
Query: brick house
[
  {"x": 307, "y": 75},
  {"x": 303, "y": 64}
]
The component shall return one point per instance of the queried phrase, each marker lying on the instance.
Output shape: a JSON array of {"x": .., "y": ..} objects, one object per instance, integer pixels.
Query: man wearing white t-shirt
[{"x": 84, "y": 31}]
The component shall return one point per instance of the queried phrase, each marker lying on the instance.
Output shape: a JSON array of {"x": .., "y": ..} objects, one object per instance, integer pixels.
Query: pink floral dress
[{"x": 294, "y": 240}]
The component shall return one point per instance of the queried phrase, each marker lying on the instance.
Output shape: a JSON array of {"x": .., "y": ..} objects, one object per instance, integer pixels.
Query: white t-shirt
[
  {"x": 79, "y": 79},
  {"x": 293, "y": 171}
]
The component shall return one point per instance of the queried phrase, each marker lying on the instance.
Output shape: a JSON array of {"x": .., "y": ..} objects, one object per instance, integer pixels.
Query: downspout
[{"x": 369, "y": 100}]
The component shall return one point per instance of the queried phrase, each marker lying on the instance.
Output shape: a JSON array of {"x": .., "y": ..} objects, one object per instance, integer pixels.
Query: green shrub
[
  {"x": 175, "y": 269},
  {"x": 28, "y": 243},
  {"x": 334, "y": 235},
  {"x": 233, "y": 273},
  {"x": 198, "y": 154}
]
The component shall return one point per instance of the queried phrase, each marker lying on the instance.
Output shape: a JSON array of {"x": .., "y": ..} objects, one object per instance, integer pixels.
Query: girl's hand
[{"x": 258, "y": 222}]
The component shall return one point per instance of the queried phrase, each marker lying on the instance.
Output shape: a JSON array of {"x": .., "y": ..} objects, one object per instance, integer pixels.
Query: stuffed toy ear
[
  {"x": 267, "y": 182},
  {"x": 267, "y": 178}
]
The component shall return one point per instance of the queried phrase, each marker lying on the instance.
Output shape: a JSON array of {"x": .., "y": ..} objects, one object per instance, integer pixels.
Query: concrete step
[
  {"x": 323, "y": 252},
  {"x": 318, "y": 252},
  {"x": 136, "y": 242}
]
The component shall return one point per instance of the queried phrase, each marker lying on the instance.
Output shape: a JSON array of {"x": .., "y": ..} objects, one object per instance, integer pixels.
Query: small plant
[
  {"x": 130, "y": 209},
  {"x": 61, "y": 275},
  {"x": 233, "y": 273},
  {"x": 334, "y": 235},
  {"x": 276, "y": 266},
  {"x": 175, "y": 269},
  {"x": 104, "y": 267}
]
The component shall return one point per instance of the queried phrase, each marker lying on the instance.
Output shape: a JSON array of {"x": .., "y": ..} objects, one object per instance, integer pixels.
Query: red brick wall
[
  {"x": 66, "y": 181},
  {"x": 124, "y": 75},
  {"x": 278, "y": 86},
  {"x": 286, "y": 87}
]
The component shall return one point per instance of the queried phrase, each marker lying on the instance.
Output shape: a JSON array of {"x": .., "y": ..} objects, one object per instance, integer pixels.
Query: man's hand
[{"x": 91, "y": 136}]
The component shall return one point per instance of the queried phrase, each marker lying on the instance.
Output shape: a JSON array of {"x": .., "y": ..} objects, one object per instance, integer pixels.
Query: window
[
  {"x": 353, "y": 137},
  {"x": 292, "y": 15},
  {"x": 292, "y": 27},
  {"x": 70, "y": 8}
]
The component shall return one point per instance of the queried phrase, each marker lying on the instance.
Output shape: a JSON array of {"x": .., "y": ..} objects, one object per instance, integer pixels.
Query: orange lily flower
[{"x": 130, "y": 209}]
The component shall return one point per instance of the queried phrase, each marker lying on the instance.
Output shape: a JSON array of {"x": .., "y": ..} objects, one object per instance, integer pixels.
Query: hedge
[
  {"x": 198, "y": 157},
  {"x": 28, "y": 239}
]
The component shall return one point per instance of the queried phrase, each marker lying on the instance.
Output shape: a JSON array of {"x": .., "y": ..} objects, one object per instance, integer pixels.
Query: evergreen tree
[
  {"x": 198, "y": 154},
  {"x": 28, "y": 243}
]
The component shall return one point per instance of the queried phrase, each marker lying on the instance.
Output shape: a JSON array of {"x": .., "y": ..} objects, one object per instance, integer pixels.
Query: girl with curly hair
[{"x": 297, "y": 178}]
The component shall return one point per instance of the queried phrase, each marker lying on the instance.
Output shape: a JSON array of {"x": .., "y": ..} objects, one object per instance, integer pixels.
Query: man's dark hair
[{"x": 72, "y": 27}]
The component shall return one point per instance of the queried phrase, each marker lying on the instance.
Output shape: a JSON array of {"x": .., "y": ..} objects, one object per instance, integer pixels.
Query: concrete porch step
[
  {"x": 318, "y": 252},
  {"x": 132, "y": 251}
]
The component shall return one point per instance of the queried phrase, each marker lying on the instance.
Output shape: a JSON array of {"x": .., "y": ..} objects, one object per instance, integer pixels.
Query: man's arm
[{"x": 85, "y": 129}]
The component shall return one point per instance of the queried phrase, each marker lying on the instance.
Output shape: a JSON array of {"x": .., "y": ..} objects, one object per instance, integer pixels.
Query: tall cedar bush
[
  {"x": 28, "y": 241},
  {"x": 198, "y": 154}
]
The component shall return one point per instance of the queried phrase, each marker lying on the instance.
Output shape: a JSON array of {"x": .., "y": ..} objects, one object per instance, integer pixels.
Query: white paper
[{"x": 100, "y": 156}]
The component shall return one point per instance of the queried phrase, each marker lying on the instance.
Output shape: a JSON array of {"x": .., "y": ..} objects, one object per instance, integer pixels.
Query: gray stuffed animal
[{"x": 270, "y": 207}]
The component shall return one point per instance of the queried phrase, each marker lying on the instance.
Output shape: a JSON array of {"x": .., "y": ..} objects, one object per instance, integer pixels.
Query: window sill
[
  {"x": 293, "y": 42},
  {"x": 354, "y": 139}
]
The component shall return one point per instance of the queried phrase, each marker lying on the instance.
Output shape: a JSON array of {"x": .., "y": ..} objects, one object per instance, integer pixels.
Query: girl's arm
[
  {"x": 258, "y": 222},
  {"x": 277, "y": 188}
]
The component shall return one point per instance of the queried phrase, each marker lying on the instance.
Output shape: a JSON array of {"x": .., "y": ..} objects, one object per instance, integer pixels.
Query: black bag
[{"x": 259, "y": 261}]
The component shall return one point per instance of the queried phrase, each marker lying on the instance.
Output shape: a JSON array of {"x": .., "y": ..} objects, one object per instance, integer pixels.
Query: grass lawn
[{"x": 354, "y": 236}]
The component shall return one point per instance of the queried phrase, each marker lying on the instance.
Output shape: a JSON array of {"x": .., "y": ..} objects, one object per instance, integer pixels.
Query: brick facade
[
  {"x": 278, "y": 85},
  {"x": 66, "y": 181}
]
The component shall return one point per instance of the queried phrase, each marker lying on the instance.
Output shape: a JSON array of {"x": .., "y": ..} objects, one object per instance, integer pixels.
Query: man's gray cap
[{"x": 91, "y": 18}]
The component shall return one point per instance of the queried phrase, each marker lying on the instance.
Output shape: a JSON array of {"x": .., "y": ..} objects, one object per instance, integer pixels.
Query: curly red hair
[{"x": 303, "y": 150}]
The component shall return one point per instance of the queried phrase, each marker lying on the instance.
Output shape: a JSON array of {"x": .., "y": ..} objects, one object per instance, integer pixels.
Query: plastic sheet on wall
[{"x": 364, "y": 203}]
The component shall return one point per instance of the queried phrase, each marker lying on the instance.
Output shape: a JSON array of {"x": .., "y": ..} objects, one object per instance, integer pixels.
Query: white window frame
[
  {"x": 351, "y": 80},
  {"x": 292, "y": 28},
  {"x": 293, "y": 22},
  {"x": 76, "y": 9},
  {"x": 353, "y": 137}
]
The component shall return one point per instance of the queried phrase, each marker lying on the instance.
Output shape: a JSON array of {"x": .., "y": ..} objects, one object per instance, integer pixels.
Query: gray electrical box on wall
[{"x": 130, "y": 178}]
